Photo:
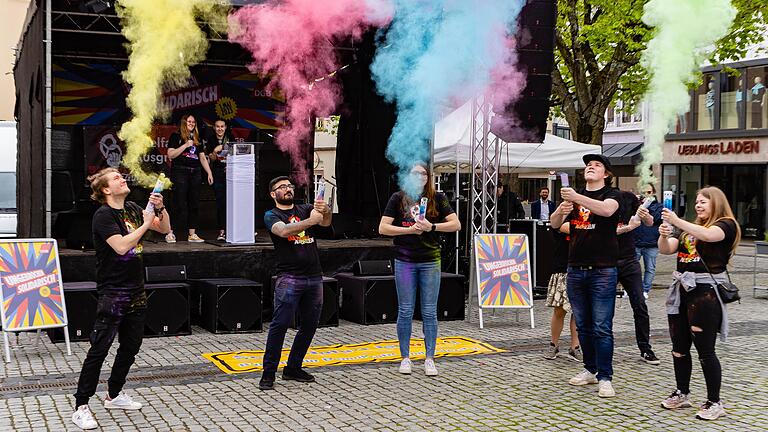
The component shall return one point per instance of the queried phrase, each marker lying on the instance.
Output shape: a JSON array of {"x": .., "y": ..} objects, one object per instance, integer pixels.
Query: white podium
[{"x": 241, "y": 186}]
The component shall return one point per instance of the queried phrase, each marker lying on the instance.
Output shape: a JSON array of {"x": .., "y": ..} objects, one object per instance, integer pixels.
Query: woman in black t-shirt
[
  {"x": 187, "y": 155},
  {"x": 217, "y": 148},
  {"x": 417, "y": 262},
  {"x": 694, "y": 308}
]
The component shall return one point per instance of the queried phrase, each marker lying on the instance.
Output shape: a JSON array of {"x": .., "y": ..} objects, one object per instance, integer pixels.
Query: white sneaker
[
  {"x": 122, "y": 401},
  {"x": 406, "y": 366},
  {"x": 605, "y": 389},
  {"x": 583, "y": 378},
  {"x": 676, "y": 400},
  {"x": 170, "y": 238},
  {"x": 83, "y": 418},
  {"x": 429, "y": 367},
  {"x": 711, "y": 411},
  {"x": 645, "y": 294}
]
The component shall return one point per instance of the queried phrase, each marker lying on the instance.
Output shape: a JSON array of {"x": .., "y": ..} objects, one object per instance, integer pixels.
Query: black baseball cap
[{"x": 600, "y": 158}]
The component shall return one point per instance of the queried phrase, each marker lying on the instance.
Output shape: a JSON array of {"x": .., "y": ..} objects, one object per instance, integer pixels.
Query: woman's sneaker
[
  {"x": 222, "y": 236},
  {"x": 676, "y": 400},
  {"x": 574, "y": 354},
  {"x": 170, "y": 238},
  {"x": 551, "y": 352},
  {"x": 605, "y": 389},
  {"x": 710, "y": 411},
  {"x": 194, "y": 238},
  {"x": 650, "y": 358},
  {"x": 583, "y": 378},
  {"x": 429, "y": 367},
  {"x": 122, "y": 401},
  {"x": 406, "y": 367},
  {"x": 83, "y": 418}
]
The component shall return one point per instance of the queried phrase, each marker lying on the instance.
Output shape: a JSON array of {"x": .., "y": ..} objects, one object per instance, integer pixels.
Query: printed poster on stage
[
  {"x": 503, "y": 271},
  {"x": 30, "y": 278}
]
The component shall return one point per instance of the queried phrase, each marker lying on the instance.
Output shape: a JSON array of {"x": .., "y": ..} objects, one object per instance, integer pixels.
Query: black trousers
[
  {"x": 697, "y": 323},
  {"x": 631, "y": 278},
  {"x": 119, "y": 313},
  {"x": 186, "y": 193},
  {"x": 220, "y": 192}
]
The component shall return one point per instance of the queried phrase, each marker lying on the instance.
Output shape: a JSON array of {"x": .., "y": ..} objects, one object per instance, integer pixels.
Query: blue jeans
[
  {"x": 409, "y": 279},
  {"x": 649, "y": 255},
  {"x": 592, "y": 293},
  {"x": 293, "y": 293}
]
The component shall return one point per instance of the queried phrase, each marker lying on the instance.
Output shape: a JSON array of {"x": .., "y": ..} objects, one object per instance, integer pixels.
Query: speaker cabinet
[
  {"x": 167, "y": 310},
  {"x": 81, "y": 300},
  {"x": 525, "y": 120},
  {"x": 368, "y": 299},
  {"x": 450, "y": 301},
  {"x": 329, "y": 316},
  {"x": 173, "y": 273},
  {"x": 372, "y": 268},
  {"x": 227, "y": 305}
]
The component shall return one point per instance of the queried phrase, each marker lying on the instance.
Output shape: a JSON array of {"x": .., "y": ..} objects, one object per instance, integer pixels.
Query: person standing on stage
[
  {"x": 543, "y": 207},
  {"x": 217, "y": 148},
  {"x": 188, "y": 157},
  {"x": 647, "y": 237},
  {"x": 299, "y": 285},
  {"x": 629, "y": 274},
  {"x": 118, "y": 228},
  {"x": 695, "y": 310},
  {"x": 557, "y": 298},
  {"x": 417, "y": 259},
  {"x": 593, "y": 214}
]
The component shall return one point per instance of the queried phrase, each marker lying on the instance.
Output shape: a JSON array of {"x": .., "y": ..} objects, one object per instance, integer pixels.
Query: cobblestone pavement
[{"x": 516, "y": 390}]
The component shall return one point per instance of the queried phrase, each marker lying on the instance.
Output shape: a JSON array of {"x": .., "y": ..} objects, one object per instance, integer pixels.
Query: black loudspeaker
[
  {"x": 81, "y": 300},
  {"x": 450, "y": 301},
  {"x": 173, "y": 273},
  {"x": 368, "y": 299},
  {"x": 526, "y": 119},
  {"x": 372, "y": 268},
  {"x": 227, "y": 305},
  {"x": 329, "y": 316},
  {"x": 167, "y": 310}
]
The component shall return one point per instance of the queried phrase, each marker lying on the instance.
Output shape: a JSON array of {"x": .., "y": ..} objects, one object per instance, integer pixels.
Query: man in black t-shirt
[
  {"x": 299, "y": 284},
  {"x": 593, "y": 252},
  {"x": 118, "y": 227}
]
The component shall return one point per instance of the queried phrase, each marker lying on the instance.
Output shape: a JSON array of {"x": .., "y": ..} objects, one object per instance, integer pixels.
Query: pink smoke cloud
[
  {"x": 292, "y": 42},
  {"x": 506, "y": 88}
]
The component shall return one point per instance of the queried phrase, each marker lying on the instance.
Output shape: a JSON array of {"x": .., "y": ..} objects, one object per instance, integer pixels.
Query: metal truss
[{"x": 485, "y": 170}]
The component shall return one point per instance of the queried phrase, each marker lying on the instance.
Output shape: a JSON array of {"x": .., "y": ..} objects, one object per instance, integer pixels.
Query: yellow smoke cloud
[{"x": 164, "y": 40}]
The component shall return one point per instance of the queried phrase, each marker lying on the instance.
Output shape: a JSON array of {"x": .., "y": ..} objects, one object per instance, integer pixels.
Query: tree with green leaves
[{"x": 598, "y": 45}]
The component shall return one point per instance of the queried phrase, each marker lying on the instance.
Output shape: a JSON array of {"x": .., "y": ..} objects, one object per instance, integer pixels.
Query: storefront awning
[{"x": 623, "y": 153}]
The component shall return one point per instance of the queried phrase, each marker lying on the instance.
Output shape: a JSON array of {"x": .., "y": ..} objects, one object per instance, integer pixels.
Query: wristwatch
[{"x": 434, "y": 227}]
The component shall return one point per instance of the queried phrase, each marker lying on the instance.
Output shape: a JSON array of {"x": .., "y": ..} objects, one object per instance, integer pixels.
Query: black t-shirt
[
  {"x": 296, "y": 255},
  {"x": 220, "y": 163},
  {"x": 191, "y": 155},
  {"x": 627, "y": 240},
  {"x": 593, "y": 238},
  {"x": 560, "y": 259},
  {"x": 113, "y": 271},
  {"x": 691, "y": 250},
  {"x": 412, "y": 247}
]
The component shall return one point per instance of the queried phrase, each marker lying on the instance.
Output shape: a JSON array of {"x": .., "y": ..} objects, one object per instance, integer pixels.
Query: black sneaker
[
  {"x": 297, "y": 374},
  {"x": 650, "y": 358},
  {"x": 267, "y": 382}
]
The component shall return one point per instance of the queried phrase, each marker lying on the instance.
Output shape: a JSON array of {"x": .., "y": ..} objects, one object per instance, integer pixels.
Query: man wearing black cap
[{"x": 593, "y": 216}]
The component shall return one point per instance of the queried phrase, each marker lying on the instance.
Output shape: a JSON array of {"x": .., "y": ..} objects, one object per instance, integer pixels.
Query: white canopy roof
[{"x": 453, "y": 142}]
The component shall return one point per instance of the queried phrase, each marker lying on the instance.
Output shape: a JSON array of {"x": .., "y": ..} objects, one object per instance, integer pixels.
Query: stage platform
[{"x": 254, "y": 262}]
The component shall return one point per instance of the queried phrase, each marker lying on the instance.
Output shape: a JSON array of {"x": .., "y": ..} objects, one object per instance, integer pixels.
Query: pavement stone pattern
[{"x": 517, "y": 390}]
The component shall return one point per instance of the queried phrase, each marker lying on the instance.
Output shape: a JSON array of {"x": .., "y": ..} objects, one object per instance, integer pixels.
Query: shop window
[
  {"x": 704, "y": 104},
  {"x": 611, "y": 114},
  {"x": 757, "y": 98},
  {"x": 731, "y": 101},
  {"x": 638, "y": 115}
]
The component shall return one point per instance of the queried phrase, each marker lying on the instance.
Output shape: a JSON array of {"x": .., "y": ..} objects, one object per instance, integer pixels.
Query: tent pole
[{"x": 48, "y": 115}]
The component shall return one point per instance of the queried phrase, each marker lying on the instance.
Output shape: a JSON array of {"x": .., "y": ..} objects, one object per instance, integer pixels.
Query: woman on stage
[
  {"x": 187, "y": 155},
  {"x": 417, "y": 262},
  {"x": 695, "y": 310}
]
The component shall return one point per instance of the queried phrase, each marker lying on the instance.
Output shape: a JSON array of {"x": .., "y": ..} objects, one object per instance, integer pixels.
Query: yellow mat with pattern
[{"x": 235, "y": 362}]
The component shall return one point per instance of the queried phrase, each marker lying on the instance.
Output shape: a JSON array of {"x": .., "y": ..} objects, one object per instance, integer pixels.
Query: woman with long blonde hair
[
  {"x": 695, "y": 310},
  {"x": 188, "y": 157}
]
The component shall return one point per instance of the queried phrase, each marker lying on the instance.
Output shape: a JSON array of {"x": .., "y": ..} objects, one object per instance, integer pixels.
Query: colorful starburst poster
[
  {"x": 503, "y": 271},
  {"x": 30, "y": 277}
]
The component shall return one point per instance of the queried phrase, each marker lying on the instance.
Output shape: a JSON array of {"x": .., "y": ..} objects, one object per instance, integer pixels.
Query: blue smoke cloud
[{"x": 437, "y": 53}]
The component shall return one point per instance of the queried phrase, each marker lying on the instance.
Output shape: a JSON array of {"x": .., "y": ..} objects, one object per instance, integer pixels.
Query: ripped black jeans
[
  {"x": 119, "y": 313},
  {"x": 697, "y": 323}
]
